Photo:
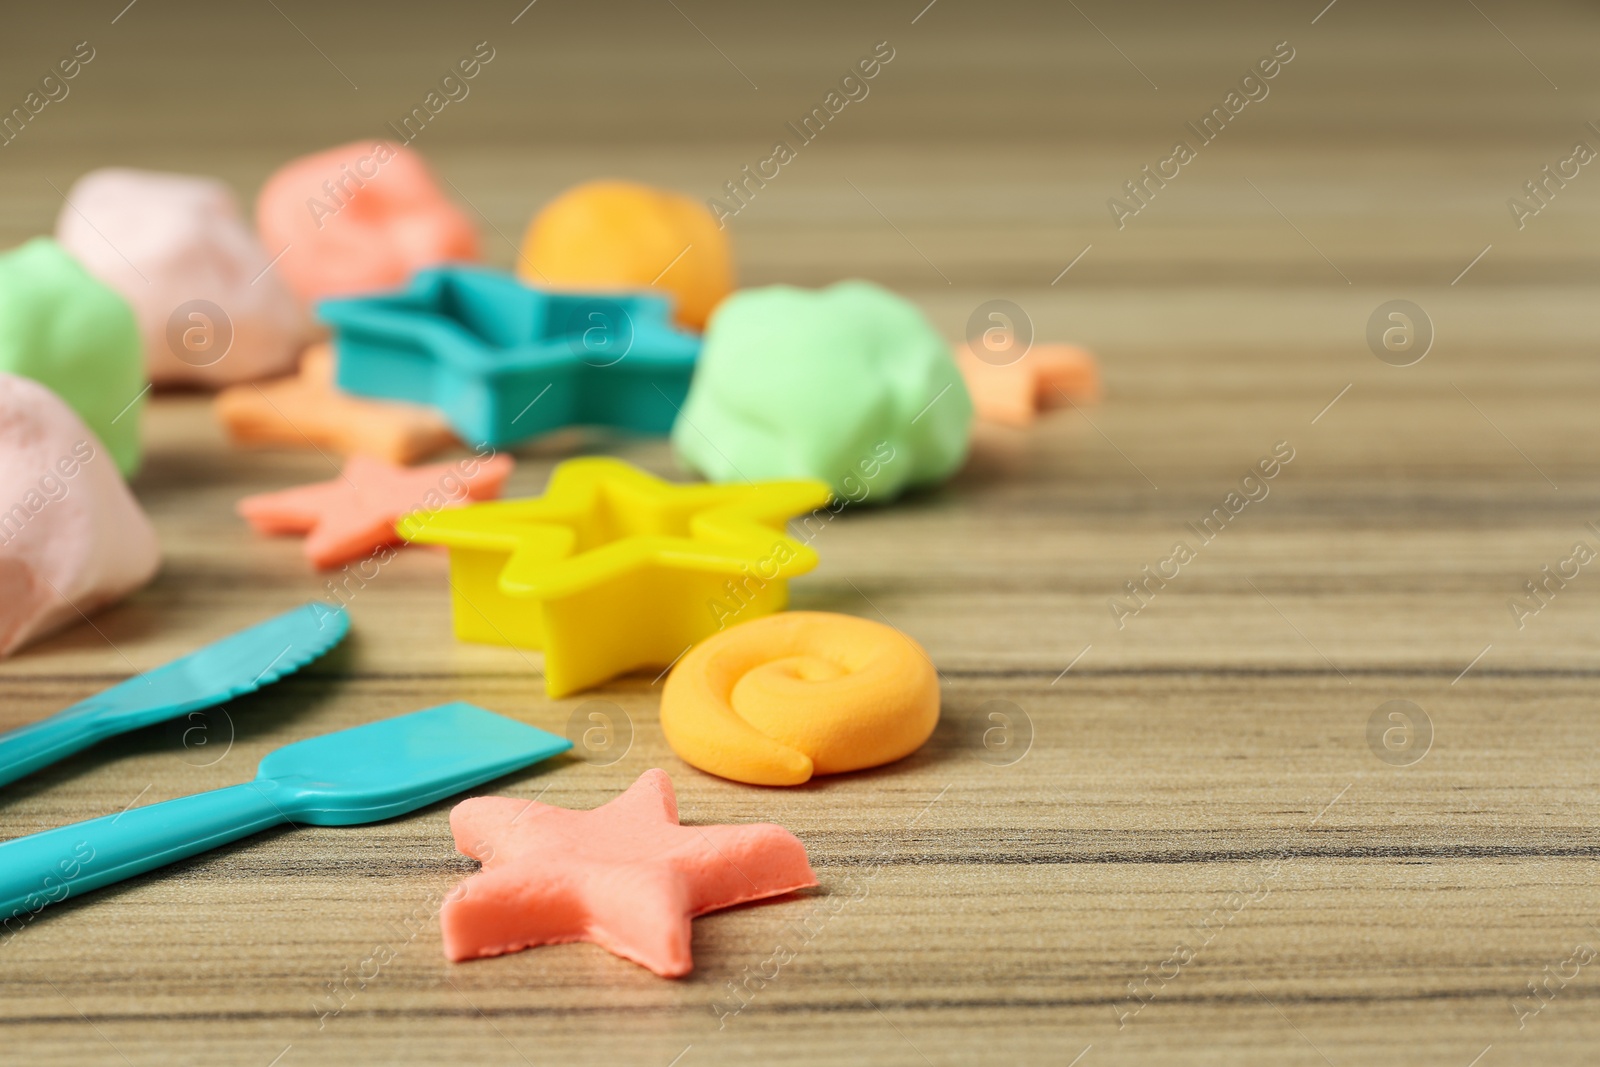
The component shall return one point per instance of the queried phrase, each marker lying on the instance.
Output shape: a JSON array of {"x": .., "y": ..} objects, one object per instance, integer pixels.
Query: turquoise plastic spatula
[{"x": 359, "y": 775}]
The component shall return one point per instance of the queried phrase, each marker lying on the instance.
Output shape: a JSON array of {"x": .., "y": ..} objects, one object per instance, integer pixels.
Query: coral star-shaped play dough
[
  {"x": 1045, "y": 377},
  {"x": 354, "y": 514},
  {"x": 625, "y": 876},
  {"x": 613, "y": 569}
]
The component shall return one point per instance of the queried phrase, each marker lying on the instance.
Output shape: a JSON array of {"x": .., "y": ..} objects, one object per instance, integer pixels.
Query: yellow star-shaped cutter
[{"x": 614, "y": 569}]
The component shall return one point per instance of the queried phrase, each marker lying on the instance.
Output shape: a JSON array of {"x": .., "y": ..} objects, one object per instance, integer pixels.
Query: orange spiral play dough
[{"x": 780, "y": 698}]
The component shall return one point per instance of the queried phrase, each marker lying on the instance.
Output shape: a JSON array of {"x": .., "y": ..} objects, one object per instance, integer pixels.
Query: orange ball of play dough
[
  {"x": 778, "y": 699},
  {"x": 359, "y": 217},
  {"x": 623, "y": 235}
]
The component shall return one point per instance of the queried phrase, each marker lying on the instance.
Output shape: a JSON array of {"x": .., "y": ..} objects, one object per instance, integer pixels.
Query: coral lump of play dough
[
  {"x": 625, "y": 876},
  {"x": 65, "y": 329},
  {"x": 75, "y": 540},
  {"x": 778, "y": 699},
  {"x": 623, "y": 235},
  {"x": 799, "y": 383},
  {"x": 176, "y": 249},
  {"x": 360, "y": 217}
]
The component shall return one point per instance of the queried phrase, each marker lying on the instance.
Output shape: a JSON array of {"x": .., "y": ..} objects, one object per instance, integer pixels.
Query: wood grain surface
[{"x": 1193, "y": 846}]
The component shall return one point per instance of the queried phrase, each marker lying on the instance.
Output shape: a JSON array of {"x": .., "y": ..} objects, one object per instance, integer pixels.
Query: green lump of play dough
[
  {"x": 64, "y": 329},
  {"x": 849, "y": 385}
]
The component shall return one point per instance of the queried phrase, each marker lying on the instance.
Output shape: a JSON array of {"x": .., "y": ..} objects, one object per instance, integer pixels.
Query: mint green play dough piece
[
  {"x": 849, "y": 384},
  {"x": 64, "y": 329}
]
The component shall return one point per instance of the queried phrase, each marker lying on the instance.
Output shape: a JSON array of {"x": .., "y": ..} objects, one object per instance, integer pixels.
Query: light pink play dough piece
[
  {"x": 175, "y": 247},
  {"x": 72, "y": 538},
  {"x": 358, "y": 218}
]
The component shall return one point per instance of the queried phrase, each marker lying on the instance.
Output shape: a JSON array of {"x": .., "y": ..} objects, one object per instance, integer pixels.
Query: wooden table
[{"x": 1198, "y": 836}]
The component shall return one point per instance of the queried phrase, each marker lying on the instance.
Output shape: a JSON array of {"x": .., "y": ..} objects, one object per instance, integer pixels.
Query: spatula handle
[
  {"x": 45, "y": 868},
  {"x": 39, "y": 744}
]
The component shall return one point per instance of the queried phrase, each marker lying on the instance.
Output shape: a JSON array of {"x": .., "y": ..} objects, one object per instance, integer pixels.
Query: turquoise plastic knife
[
  {"x": 360, "y": 775},
  {"x": 231, "y": 667}
]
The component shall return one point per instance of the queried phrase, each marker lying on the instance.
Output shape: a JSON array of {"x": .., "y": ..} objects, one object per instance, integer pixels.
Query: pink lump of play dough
[
  {"x": 175, "y": 248},
  {"x": 72, "y": 538},
  {"x": 357, "y": 218}
]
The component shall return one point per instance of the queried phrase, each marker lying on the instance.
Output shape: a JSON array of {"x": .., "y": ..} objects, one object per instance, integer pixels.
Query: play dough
[
  {"x": 359, "y": 217},
  {"x": 63, "y": 328},
  {"x": 308, "y": 411},
  {"x": 623, "y": 235},
  {"x": 353, "y": 515},
  {"x": 175, "y": 248},
  {"x": 848, "y": 384},
  {"x": 72, "y": 538},
  {"x": 775, "y": 700},
  {"x": 1047, "y": 376},
  {"x": 625, "y": 876}
]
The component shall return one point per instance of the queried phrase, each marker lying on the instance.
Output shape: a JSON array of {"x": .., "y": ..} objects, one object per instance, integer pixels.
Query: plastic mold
[
  {"x": 613, "y": 569},
  {"x": 505, "y": 362}
]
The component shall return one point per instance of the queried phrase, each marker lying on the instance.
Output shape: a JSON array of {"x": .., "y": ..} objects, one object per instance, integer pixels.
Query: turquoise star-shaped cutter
[{"x": 504, "y": 361}]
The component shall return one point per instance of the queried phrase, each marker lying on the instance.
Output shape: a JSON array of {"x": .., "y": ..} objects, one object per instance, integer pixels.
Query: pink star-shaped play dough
[
  {"x": 353, "y": 515},
  {"x": 625, "y": 876}
]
